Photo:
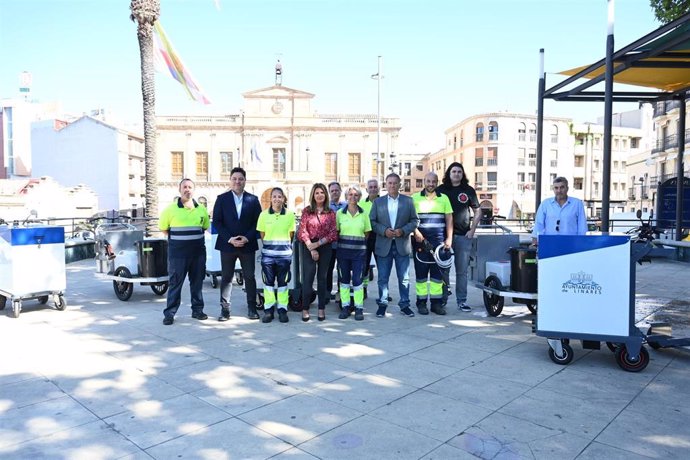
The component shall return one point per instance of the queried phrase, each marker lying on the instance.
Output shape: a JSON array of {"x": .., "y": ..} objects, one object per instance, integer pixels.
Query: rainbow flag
[{"x": 166, "y": 60}]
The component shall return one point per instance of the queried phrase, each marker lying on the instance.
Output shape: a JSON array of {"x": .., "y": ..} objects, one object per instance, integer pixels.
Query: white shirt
[
  {"x": 238, "y": 203},
  {"x": 393, "y": 210}
]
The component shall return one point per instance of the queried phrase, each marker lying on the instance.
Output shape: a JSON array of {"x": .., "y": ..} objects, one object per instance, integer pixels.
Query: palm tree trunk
[{"x": 145, "y": 13}]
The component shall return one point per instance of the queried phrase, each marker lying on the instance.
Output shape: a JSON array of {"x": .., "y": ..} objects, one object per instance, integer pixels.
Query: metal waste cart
[
  {"x": 586, "y": 291},
  {"x": 32, "y": 265},
  {"x": 213, "y": 266}
]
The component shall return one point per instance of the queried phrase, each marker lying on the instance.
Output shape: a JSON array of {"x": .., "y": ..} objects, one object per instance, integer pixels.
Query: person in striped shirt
[{"x": 276, "y": 226}]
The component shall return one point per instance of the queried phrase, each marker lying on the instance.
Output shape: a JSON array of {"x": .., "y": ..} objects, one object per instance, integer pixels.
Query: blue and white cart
[
  {"x": 32, "y": 265},
  {"x": 586, "y": 291}
]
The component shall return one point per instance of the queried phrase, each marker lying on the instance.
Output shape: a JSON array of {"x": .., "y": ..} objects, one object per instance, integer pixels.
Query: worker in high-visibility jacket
[
  {"x": 435, "y": 226},
  {"x": 276, "y": 225},
  {"x": 353, "y": 226}
]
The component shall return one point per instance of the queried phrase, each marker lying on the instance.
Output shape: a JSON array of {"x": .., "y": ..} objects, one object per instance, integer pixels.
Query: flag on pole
[
  {"x": 255, "y": 153},
  {"x": 166, "y": 60}
]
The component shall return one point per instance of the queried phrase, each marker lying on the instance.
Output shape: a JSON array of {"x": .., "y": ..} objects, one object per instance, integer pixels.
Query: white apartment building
[
  {"x": 280, "y": 140},
  {"x": 499, "y": 154},
  {"x": 107, "y": 159}
]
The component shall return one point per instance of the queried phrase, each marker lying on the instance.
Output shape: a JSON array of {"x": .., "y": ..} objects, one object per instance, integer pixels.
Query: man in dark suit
[
  {"x": 393, "y": 219},
  {"x": 234, "y": 216}
]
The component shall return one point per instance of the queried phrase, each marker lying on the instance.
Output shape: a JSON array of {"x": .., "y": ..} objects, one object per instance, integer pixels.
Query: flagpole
[{"x": 377, "y": 76}]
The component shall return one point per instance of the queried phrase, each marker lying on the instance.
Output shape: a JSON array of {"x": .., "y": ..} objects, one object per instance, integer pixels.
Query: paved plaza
[{"x": 106, "y": 379}]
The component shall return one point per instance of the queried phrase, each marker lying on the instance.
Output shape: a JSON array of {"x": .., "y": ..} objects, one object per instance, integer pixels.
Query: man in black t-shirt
[{"x": 462, "y": 199}]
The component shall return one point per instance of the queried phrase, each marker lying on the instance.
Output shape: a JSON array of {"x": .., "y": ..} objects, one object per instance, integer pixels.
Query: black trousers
[
  {"x": 179, "y": 268},
  {"x": 329, "y": 275},
  {"x": 320, "y": 269},
  {"x": 227, "y": 266}
]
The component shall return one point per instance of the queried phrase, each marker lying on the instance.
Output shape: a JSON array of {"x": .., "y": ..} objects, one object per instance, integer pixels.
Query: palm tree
[{"x": 145, "y": 13}]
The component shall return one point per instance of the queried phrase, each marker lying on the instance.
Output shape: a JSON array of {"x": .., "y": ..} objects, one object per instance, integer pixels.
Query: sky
[{"x": 442, "y": 60}]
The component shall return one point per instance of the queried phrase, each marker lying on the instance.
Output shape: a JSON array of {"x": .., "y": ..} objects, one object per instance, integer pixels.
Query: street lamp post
[
  {"x": 378, "y": 76},
  {"x": 641, "y": 191}
]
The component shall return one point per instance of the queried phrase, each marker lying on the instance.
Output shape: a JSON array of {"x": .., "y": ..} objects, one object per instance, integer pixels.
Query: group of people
[{"x": 439, "y": 219}]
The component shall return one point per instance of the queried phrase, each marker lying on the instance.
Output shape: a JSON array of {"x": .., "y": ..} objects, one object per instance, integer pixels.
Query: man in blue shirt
[{"x": 560, "y": 215}]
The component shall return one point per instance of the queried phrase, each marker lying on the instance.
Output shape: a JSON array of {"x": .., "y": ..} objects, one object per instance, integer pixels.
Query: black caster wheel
[
  {"x": 16, "y": 308},
  {"x": 160, "y": 288},
  {"x": 493, "y": 302},
  {"x": 214, "y": 281},
  {"x": 565, "y": 358},
  {"x": 60, "y": 303},
  {"x": 632, "y": 365},
  {"x": 532, "y": 306},
  {"x": 123, "y": 290}
]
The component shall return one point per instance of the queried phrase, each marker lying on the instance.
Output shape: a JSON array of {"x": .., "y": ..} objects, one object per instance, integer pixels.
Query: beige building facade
[{"x": 280, "y": 140}]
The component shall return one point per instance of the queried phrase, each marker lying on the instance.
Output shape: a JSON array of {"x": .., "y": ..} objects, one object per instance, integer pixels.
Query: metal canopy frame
[{"x": 654, "y": 51}]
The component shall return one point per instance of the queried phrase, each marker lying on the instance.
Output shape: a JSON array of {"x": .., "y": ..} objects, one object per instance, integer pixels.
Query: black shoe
[
  {"x": 381, "y": 312},
  {"x": 252, "y": 314},
  {"x": 344, "y": 313},
  {"x": 200, "y": 316},
  {"x": 168, "y": 320},
  {"x": 422, "y": 310},
  {"x": 282, "y": 315},
  {"x": 407, "y": 311},
  {"x": 438, "y": 310},
  {"x": 224, "y": 314},
  {"x": 268, "y": 316},
  {"x": 359, "y": 314},
  {"x": 321, "y": 315}
]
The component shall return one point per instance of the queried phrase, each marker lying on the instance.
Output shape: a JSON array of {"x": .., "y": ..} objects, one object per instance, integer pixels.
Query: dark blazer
[
  {"x": 406, "y": 220},
  {"x": 227, "y": 225}
]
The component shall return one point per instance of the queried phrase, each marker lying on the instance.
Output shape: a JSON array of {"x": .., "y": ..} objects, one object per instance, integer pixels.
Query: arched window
[
  {"x": 480, "y": 132},
  {"x": 522, "y": 130},
  {"x": 493, "y": 131},
  {"x": 554, "y": 134}
]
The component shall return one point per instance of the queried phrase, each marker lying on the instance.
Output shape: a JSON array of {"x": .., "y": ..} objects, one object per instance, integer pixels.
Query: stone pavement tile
[
  {"x": 602, "y": 364},
  {"x": 308, "y": 373},
  {"x": 438, "y": 330},
  {"x": 446, "y": 452},
  {"x": 681, "y": 357},
  {"x": 26, "y": 392},
  {"x": 452, "y": 355},
  {"x": 432, "y": 415},
  {"x": 501, "y": 436},
  {"x": 357, "y": 356},
  {"x": 517, "y": 369},
  {"x": 192, "y": 377},
  {"x": 222, "y": 347},
  {"x": 294, "y": 454},
  {"x": 261, "y": 356},
  {"x": 9, "y": 374},
  {"x": 570, "y": 381},
  {"x": 399, "y": 342},
  {"x": 469, "y": 387},
  {"x": 152, "y": 422},
  {"x": 40, "y": 419},
  {"x": 312, "y": 343},
  {"x": 585, "y": 417},
  {"x": 95, "y": 440},
  {"x": 111, "y": 393},
  {"x": 299, "y": 418},
  {"x": 661, "y": 433},
  {"x": 362, "y": 391},
  {"x": 412, "y": 371},
  {"x": 491, "y": 341},
  {"x": 597, "y": 451},
  {"x": 368, "y": 438},
  {"x": 153, "y": 353},
  {"x": 666, "y": 390},
  {"x": 229, "y": 439},
  {"x": 239, "y": 389}
]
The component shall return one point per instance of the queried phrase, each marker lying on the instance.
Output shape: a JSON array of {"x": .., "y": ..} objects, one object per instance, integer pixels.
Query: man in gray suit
[{"x": 393, "y": 218}]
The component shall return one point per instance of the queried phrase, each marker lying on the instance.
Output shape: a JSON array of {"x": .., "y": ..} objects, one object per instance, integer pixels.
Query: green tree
[
  {"x": 146, "y": 13},
  {"x": 669, "y": 10}
]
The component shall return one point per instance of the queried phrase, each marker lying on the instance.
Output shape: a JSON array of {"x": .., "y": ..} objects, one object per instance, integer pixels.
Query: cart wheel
[
  {"x": 3, "y": 301},
  {"x": 16, "y": 308},
  {"x": 60, "y": 302},
  {"x": 567, "y": 355},
  {"x": 214, "y": 281},
  {"x": 123, "y": 289},
  {"x": 240, "y": 278},
  {"x": 532, "y": 306},
  {"x": 627, "y": 364},
  {"x": 160, "y": 288},
  {"x": 493, "y": 302},
  {"x": 43, "y": 299}
]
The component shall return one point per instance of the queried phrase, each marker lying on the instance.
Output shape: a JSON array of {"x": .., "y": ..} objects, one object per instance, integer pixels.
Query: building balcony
[
  {"x": 492, "y": 161},
  {"x": 664, "y": 107},
  {"x": 479, "y": 161},
  {"x": 491, "y": 185}
]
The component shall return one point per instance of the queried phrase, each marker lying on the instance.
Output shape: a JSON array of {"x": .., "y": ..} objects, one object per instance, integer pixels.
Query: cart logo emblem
[
  {"x": 581, "y": 283},
  {"x": 463, "y": 198}
]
